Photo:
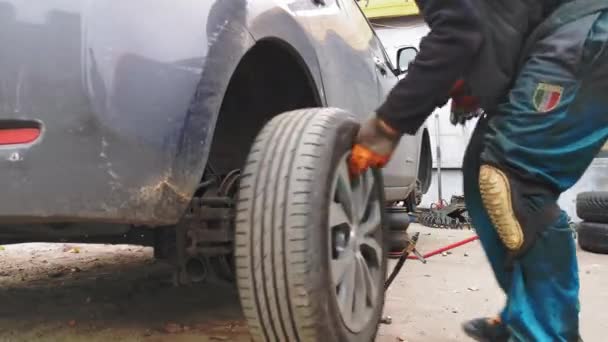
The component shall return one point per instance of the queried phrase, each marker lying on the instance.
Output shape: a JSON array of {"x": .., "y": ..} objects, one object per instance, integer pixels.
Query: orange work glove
[
  {"x": 464, "y": 106},
  {"x": 373, "y": 147}
]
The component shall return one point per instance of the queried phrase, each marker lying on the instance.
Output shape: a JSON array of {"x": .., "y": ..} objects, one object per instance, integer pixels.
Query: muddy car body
[
  {"x": 132, "y": 104},
  {"x": 117, "y": 117}
]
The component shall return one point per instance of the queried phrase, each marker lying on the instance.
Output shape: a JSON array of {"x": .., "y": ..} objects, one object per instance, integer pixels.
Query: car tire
[
  {"x": 593, "y": 237},
  {"x": 593, "y": 206},
  {"x": 288, "y": 230}
]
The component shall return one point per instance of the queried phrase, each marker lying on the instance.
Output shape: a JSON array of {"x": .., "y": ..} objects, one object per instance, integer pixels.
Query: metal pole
[{"x": 438, "y": 143}]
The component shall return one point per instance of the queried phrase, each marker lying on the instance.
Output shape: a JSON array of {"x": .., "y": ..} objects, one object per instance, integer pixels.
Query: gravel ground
[{"x": 61, "y": 292}]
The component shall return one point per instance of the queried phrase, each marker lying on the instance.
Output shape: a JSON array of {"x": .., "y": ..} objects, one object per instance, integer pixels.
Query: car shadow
[{"x": 116, "y": 294}]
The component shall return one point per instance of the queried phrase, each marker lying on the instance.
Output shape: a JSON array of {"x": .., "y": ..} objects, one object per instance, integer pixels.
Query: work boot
[{"x": 486, "y": 330}]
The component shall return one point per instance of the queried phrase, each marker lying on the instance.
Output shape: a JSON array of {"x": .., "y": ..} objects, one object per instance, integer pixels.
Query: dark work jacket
[{"x": 478, "y": 40}]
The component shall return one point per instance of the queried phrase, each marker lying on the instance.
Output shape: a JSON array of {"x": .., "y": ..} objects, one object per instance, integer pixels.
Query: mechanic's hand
[
  {"x": 374, "y": 146},
  {"x": 464, "y": 106}
]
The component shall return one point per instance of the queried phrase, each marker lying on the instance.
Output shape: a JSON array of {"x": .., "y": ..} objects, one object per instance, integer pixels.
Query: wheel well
[
  {"x": 425, "y": 165},
  {"x": 270, "y": 79}
]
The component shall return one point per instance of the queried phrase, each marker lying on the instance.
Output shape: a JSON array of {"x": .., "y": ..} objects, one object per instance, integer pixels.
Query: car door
[
  {"x": 402, "y": 170},
  {"x": 357, "y": 75}
]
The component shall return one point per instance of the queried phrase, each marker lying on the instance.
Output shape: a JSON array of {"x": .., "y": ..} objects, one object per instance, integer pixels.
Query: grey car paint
[{"x": 128, "y": 94}]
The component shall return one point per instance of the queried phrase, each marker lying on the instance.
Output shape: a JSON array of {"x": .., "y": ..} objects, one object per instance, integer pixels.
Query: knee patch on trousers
[{"x": 496, "y": 195}]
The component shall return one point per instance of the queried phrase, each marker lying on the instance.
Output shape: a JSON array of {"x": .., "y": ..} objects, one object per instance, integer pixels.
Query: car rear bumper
[
  {"x": 106, "y": 155},
  {"x": 71, "y": 175},
  {"x": 112, "y": 145}
]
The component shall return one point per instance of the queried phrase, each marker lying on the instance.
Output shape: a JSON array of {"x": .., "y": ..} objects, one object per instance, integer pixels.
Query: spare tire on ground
[
  {"x": 593, "y": 237},
  {"x": 593, "y": 206},
  {"x": 309, "y": 250}
]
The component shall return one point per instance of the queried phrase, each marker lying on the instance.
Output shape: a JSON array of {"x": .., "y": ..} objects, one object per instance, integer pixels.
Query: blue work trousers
[{"x": 548, "y": 130}]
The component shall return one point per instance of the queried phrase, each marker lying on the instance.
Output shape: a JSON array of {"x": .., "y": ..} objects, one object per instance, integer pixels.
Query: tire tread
[
  {"x": 593, "y": 237},
  {"x": 273, "y": 213},
  {"x": 593, "y": 206}
]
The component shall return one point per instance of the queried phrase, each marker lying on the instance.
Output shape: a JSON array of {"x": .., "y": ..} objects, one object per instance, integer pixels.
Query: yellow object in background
[{"x": 375, "y": 9}]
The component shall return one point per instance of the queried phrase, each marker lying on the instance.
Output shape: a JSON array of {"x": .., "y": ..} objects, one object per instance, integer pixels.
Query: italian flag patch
[{"x": 547, "y": 97}]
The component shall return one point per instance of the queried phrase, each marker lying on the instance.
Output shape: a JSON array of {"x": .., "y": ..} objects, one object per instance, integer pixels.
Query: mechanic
[{"x": 539, "y": 71}]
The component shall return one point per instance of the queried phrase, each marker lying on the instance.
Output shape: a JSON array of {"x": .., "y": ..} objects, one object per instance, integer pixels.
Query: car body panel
[
  {"x": 351, "y": 55},
  {"x": 393, "y": 38},
  {"x": 113, "y": 97},
  {"x": 403, "y": 166},
  {"x": 128, "y": 98}
]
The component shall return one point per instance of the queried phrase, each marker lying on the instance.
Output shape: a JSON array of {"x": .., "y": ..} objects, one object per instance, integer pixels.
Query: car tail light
[{"x": 15, "y": 136}]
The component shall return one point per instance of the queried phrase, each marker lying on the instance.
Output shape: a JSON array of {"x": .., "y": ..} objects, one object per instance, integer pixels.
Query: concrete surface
[
  {"x": 58, "y": 292},
  {"x": 428, "y": 302}
]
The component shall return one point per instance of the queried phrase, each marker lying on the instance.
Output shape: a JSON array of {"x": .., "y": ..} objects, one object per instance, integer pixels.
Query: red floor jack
[
  {"x": 411, "y": 249},
  {"x": 406, "y": 254},
  {"x": 403, "y": 256}
]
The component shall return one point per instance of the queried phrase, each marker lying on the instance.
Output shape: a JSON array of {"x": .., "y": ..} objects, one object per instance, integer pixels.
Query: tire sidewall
[
  {"x": 593, "y": 237},
  {"x": 592, "y": 206}
]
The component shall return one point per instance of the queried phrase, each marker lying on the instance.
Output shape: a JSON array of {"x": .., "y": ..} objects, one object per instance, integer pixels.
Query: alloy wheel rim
[{"x": 356, "y": 248}]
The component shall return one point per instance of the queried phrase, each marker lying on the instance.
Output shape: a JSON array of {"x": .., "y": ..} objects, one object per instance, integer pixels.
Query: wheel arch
[
  {"x": 294, "y": 36},
  {"x": 222, "y": 59},
  {"x": 271, "y": 78},
  {"x": 226, "y": 54}
]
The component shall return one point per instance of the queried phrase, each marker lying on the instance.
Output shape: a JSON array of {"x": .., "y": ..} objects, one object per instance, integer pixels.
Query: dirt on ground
[
  {"x": 74, "y": 292},
  {"x": 79, "y": 292}
]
